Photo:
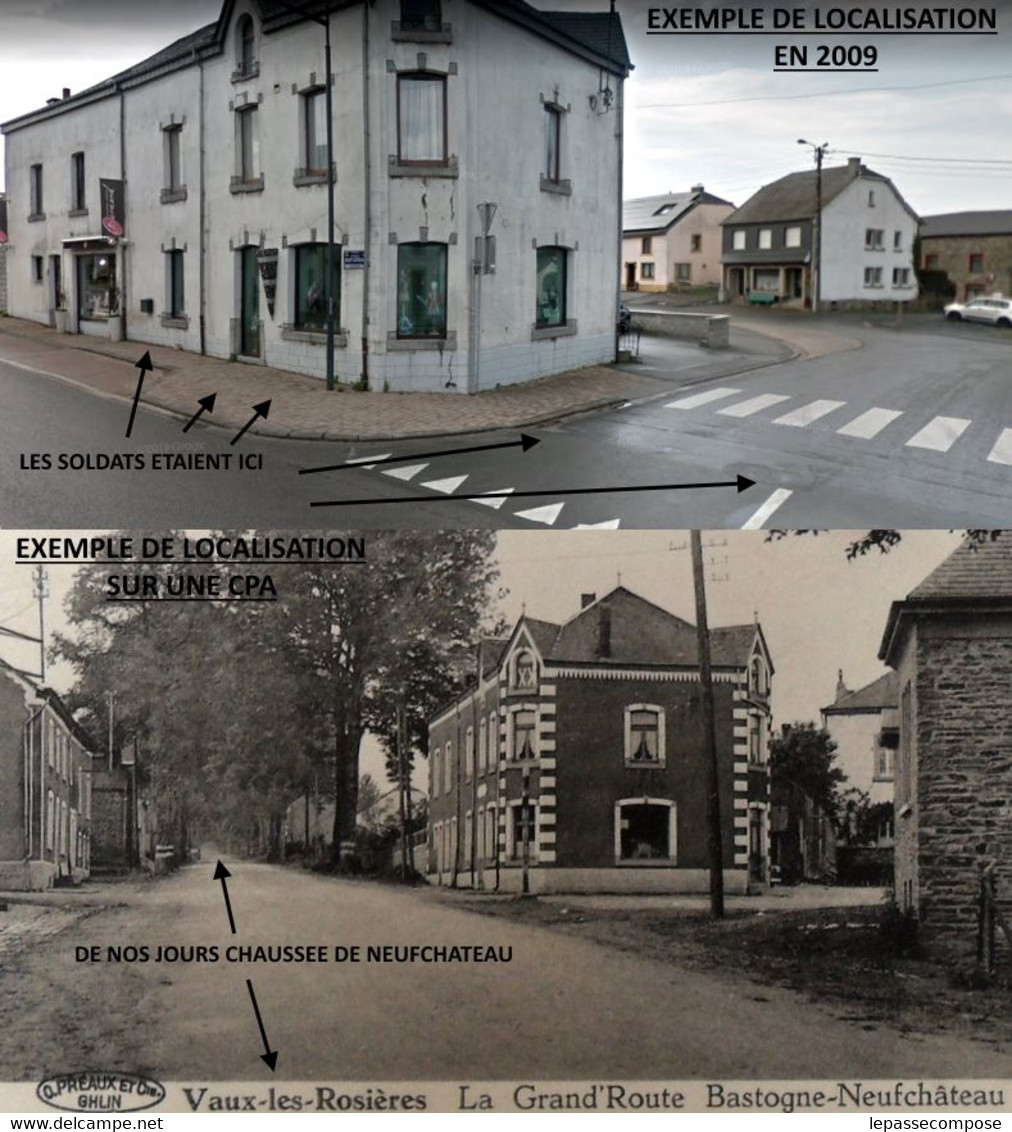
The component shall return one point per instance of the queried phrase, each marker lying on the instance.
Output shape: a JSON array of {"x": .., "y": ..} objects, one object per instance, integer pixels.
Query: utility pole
[
  {"x": 525, "y": 811},
  {"x": 41, "y": 592},
  {"x": 109, "y": 698},
  {"x": 403, "y": 788},
  {"x": 330, "y": 290},
  {"x": 820, "y": 153},
  {"x": 716, "y": 854}
]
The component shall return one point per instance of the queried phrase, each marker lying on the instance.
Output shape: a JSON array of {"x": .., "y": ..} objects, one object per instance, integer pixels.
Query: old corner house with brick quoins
[
  {"x": 950, "y": 642},
  {"x": 45, "y": 788},
  {"x": 576, "y": 757}
]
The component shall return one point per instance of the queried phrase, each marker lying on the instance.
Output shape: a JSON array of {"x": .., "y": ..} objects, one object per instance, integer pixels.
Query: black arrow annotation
[
  {"x": 742, "y": 483},
  {"x": 271, "y": 1056},
  {"x": 526, "y": 442},
  {"x": 221, "y": 873},
  {"x": 144, "y": 365},
  {"x": 206, "y": 406},
  {"x": 259, "y": 411}
]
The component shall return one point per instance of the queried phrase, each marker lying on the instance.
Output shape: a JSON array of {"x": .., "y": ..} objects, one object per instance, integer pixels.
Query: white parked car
[{"x": 995, "y": 309}]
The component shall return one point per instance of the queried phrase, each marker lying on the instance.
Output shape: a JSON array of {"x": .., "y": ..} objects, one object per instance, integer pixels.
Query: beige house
[{"x": 673, "y": 241}]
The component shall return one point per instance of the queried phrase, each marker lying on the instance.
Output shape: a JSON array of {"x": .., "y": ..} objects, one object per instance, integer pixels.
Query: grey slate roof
[
  {"x": 878, "y": 695},
  {"x": 795, "y": 196},
  {"x": 641, "y": 214},
  {"x": 996, "y": 222}
]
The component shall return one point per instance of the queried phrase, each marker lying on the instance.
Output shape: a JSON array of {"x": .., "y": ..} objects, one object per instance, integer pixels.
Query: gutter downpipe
[
  {"x": 620, "y": 136},
  {"x": 28, "y": 748},
  {"x": 203, "y": 217},
  {"x": 367, "y": 188},
  {"x": 123, "y": 304}
]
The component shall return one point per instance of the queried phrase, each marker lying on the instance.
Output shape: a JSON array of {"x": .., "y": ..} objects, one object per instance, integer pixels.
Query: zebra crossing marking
[
  {"x": 404, "y": 473},
  {"x": 1001, "y": 453},
  {"x": 940, "y": 434},
  {"x": 753, "y": 405},
  {"x": 807, "y": 414},
  {"x": 868, "y": 425},
  {"x": 698, "y": 399}
]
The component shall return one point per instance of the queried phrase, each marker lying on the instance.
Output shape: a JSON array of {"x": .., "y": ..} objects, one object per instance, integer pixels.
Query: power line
[
  {"x": 816, "y": 94},
  {"x": 932, "y": 160}
]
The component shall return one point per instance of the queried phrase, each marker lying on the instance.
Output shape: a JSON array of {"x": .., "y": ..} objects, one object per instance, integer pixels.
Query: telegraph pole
[
  {"x": 41, "y": 592},
  {"x": 716, "y": 854},
  {"x": 820, "y": 153}
]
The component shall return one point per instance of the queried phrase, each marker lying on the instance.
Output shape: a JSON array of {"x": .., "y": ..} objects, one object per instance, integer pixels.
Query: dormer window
[
  {"x": 758, "y": 677},
  {"x": 246, "y": 47},
  {"x": 421, "y": 15},
  {"x": 526, "y": 673}
]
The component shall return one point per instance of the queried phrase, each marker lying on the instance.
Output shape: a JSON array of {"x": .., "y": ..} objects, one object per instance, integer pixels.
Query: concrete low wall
[
  {"x": 712, "y": 330},
  {"x": 614, "y": 880},
  {"x": 26, "y": 876}
]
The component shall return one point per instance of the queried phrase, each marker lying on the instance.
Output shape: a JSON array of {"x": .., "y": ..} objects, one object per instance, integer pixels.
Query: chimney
[
  {"x": 841, "y": 688},
  {"x": 66, "y": 92},
  {"x": 603, "y": 631},
  {"x": 854, "y": 165},
  {"x": 587, "y": 599},
  {"x": 697, "y": 188}
]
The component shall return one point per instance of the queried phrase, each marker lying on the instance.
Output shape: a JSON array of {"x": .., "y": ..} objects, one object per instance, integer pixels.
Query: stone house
[
  {"x": 45, "y": 788},
  {"x": 973, "y": 248},
  {"x": 672, "y": 241},
  {"x": 866, "y": 245},
  {"x": 950, "y": 644},
  {"x": 184, "y": 201},
  {"x": 576, "y": 757}
]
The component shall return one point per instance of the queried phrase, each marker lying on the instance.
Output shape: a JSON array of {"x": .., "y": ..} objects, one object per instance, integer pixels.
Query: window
[
  {"x": 647, "y": 271},
  {"x": 50, "y": 819},
  {"x": 524, "y": 723},
  {"x": 931, "y": 262},
  {"x": 421, "y": 15},
  {"x": 973, "y": 291},
  {"x": 644, "y": 735},
  {"x": 493, "y": 739},
  {"x": 551, "y": 295},
  {"x": 249, "y": 144},
  {"x": 434, "y": 763},
  {"x": 871, "y": 198},
  {"x": 177, "y": 287},
  {"x": 683, "y": 272},
  {"x": 648, "y": 245},
  {"x": 873, "y": 276},
  {"x": 901, "y": 276},
  {"x": 758, "y": 677},
  {"x": 421, "y": 119},
  {"x": 697, "y": 242},
  {"x": 525, "y": 673},
  {"x": 792, "y": 236},
  {"x": 421, "y": 291},
  {"x": 766, "y": 238},
  {"x": 874, "y": 239},
  {"x": 447, "y": 765},
  {"x": 246, "y": 48},
  {"x": 482, "y": 745},
  {"x": 757, "y": 738},
  {"x": 645, "y": 830},
  {"x": 310, "y": 312},
  {"x": 173, "y": 161},
  {"x": 976, "y": 263},
  {"x": 553, "y": 145},
  {"x": 37, "y": 269},
  {"x": 523, "y": 829},
  {"x": 469, "y": 756},
  {"x": 490, "y": 833},
  {"x": 905, "y": 786},
  {"x": 897, "y": 241},
  {"x": 36, "y": 190},
  {"x": 77, "y": 193},
  {"x": 884, "y": 762},
  {"x": 314, "y": 117},
  {"x": 738, "y": 239}
]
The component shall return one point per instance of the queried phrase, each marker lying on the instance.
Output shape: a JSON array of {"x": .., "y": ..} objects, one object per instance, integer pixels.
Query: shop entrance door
[{"x": 249, "y": 332}]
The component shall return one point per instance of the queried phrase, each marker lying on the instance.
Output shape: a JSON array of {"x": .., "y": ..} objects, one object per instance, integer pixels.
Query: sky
[
  {"x": 707, "y": 110},
  {"x": 819, "y": 612}
]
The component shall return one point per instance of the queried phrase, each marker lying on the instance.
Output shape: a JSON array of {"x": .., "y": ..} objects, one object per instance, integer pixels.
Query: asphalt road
[
  {"x": 563, "y": 1008},
  {"x": 909, "y": 431}
]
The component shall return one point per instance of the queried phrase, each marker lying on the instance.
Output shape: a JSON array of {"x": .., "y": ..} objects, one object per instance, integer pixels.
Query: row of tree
[{"x": 238, "y": 708}]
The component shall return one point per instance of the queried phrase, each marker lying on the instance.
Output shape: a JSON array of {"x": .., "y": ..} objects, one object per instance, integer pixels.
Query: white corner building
[{"x": 220, "y": 143}]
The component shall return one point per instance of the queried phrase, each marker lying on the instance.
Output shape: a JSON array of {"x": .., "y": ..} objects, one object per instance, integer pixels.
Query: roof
[
  {"x": 876, "y": 696},
  {"x": 996, "y": 222},
  {"x": 977, "y": 575},
  {"x": 659, "y": 213},
  {"x": 795, "y": 197},
  {"x": 596, "y": 36}
]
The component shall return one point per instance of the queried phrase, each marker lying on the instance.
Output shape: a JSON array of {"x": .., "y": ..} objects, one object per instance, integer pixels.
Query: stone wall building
[
  {"x": 577, "y": 757},
  {"x": 216, "y": 153},
  {"x": 973, "y": 248},
  {"x": 950, "y": 643}
]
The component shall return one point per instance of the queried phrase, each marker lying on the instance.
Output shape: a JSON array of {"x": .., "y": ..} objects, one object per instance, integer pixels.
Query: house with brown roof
[
  {"x": 950, "y": 644},
  {"x": 576, "y": 762},
  {"x": 973, "y": 248},
  {"x": 842, "y": 237},
  {"x": 672, "y": 241}
]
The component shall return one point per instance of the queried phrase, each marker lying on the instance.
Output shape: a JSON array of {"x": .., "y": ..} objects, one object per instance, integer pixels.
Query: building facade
[
  {"x": 950, "y": 644},
  {"x": 863, "y": 726},
  {"x": 45, "y": 788},
  {"x": 973, "y": 248},
  {"x": 210, "y": 161},
  {"x": 864, "y": 254},
  {"x": 672, "y": 242},
  {"x": 576, "y": 760}
]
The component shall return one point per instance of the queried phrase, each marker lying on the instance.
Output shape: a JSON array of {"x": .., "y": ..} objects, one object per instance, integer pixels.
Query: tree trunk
[{"x": 348, "y": 739}]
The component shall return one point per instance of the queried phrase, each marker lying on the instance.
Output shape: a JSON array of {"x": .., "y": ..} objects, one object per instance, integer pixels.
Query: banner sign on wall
[
  {"x": 111, "y": 197},
  {"x": 267, "y": 258}
]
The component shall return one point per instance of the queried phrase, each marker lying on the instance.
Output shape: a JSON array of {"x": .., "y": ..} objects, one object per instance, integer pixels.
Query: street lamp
[
  {"x": 329, "y": 287},
  {"x": 820, "y": 153}
]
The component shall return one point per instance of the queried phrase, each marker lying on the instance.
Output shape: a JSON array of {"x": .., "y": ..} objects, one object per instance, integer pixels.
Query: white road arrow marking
[
  {"x": 369, "y": 462},
  {"x": 447, "y": 486},
  {"x": 546, "y": 515},
  {"x": 406, "y": 473},
  {"x": 495, "y": 504},
  {"x": 610, "y": 525}
]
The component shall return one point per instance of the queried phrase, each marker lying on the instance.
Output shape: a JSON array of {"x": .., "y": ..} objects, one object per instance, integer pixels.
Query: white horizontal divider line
[
  {"x": 698, "y": 399},
  {"x": 940, "y": 434},
  {"x": 775, "y": 501},
  {"x": 753, "y": 405},
  {"x": 813, "y": 411},
  {"x": 869, "y": 424}
]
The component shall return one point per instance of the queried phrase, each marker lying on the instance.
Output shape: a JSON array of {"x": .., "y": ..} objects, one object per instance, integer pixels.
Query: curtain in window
[
  {"x": 421, "y": 118},
  {"x": 316, "y": 131},
  {"x": 178, "y": 292},
  {"x": 552, "y": 121},
  {"x": 551, "y": 299},
  {"x": 310, "y": 287},
  {"x": 421, "y": 291}
]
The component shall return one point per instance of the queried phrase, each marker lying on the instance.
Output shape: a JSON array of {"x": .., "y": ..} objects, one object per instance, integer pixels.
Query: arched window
[
  {"x": 758, "y": 676},
  {"x": 645, "y": 740},
  {"x": 245, "y": 46},
  {"x": 526, "y": 671}
]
